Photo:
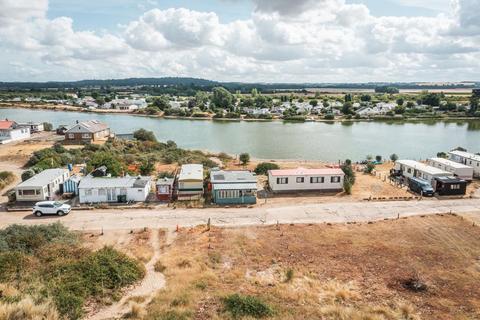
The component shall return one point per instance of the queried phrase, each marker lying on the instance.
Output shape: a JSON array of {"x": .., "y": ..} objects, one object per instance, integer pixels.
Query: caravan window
[
  {"x": 300, "y": 179},
  {"x": 455, "y": 187},
  {"x": 409, "y": 170},
  {"x": 317, "y": 180},
  {"x": 335, "y": 179},
  {"x": 282, "y": 180}
]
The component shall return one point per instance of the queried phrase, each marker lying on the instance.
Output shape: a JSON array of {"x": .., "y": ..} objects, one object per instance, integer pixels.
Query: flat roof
[
  {"x": 191, "y": 172},
  {"x": 423, "y": 167},
  {"x": 306, "y": 172},
  {"x": 117, "y": 182},
  {"x": 450, "y": 163},
  {"x": 221, "y": 176},
  {"x": 43, "y": 178},
  {"x": 467, "y": 155},
  {"x": 234, "y": 186}
]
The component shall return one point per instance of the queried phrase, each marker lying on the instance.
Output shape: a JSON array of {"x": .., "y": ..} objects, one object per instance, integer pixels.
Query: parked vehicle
[
  {"x": 51, "y": 207},
  {"x": 421, "y": 186}
]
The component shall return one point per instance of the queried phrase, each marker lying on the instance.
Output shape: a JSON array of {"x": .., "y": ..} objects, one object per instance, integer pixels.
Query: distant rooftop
[
  {"x": 118, "y": 182},
  {"x": 450, "y": 163},
  {"x": 232, "y": 177},
  {"x": 191, "y": 172}
]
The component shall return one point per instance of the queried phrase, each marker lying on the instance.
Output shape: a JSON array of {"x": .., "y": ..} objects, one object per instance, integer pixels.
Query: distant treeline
[{"x": 186, "y": 86}]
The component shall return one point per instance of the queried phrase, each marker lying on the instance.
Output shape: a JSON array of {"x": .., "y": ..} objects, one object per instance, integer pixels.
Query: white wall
[
  {"x": 463, "y": 173},
  {"x": 133, "y": 194},
  {"x": 472, "y": 163},
  {"x": 293, "y": 185},
  {"x": 7, "y": 136}
]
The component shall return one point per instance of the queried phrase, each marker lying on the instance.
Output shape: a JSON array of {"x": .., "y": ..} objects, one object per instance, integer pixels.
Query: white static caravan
[
  {"x": 415, "y": 169},
  {"x": 306, "y": 180},
  {"x": 119, "y": 189},
  {"x": 467, "y": 158},
  {"x": 459, "y": 170},
  {"x": 42, "y": 186},
  {"x": 190, "y": 182}
]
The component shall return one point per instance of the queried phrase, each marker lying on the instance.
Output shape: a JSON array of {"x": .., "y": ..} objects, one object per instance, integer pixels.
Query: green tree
[
  {"x": 442, "y": 155},
  {"x": 347, "y": 108},
  {"x": 314, "y": 103},
  {"x": 400, "y": 101},
  {"x": 431, "y": 99},
  {"x": 27, "y": 174},
  {"x": 474, "y": 102},
  {"x": 366, "y": 97},
  {"x": 393, "y": 157},
  {"x": 369, "y": 167},
  {"x": 161, "y": 103},
  {"x": 47, "y": 126},
  {"x": 348, "y": 97},
  {"x": 201, "y": 100},
  {"x": 146, "y": 167},
  {"x": 378, "y": 158},
  {"x": 144, "y": 135},
  {"x": 102, "y": 158},
  {"x": 264, "y": 167},
  {"x": 244, "y": 158},
  {"x": 222, "y": 98}
]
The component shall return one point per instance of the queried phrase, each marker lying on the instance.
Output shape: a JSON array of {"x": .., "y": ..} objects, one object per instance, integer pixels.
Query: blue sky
[{"x": 241, "y": 40}]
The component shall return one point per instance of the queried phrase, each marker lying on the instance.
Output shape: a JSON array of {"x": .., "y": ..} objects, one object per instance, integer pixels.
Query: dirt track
[{"x": 340, "y": 212}]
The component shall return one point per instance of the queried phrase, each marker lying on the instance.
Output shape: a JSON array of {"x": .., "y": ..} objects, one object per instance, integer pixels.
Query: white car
[{"x": 51, "y": 207}]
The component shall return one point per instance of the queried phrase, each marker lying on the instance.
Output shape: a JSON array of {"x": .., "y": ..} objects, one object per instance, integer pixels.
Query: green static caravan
[{"x": 233, "y": 187}]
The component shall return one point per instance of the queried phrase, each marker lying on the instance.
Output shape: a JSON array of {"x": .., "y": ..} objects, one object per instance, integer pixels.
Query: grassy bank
[
  {"x": 389, "y": 270},
  {"x": 45, "y": 273}
]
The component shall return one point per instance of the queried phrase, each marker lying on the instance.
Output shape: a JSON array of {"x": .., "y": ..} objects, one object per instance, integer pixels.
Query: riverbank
[{"x": 68, "y": 108}]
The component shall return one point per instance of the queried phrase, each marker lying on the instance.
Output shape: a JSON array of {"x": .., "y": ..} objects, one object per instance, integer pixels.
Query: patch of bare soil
[{"x": 416, "y": 268}]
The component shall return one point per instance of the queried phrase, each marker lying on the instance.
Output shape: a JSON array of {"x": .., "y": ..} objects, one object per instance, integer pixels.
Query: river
[{"x": 279, "y": 140}]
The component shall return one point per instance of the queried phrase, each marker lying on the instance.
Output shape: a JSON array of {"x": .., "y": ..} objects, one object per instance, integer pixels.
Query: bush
[
  {"x": 369, "y": 168},
  {"x": 393, "y": 157},
  {"x": 27, "y": 174},
  {"x": 289, "y": 275},
  {"x": 47, "y": 126},
  {"x": 144, "y": 135},
  {"x": 264, "y": 167},
  {"x": 6, "y": 177},
  {"x": 329, "y": 116},
  {"x": 246, "y": 306},
  {"x": 244, "y": 158},
  {"x": 347, "y": 185}
]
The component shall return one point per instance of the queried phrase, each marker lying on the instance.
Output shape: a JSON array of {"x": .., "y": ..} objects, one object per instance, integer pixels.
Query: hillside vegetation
[{"x": 45, "y": 273}]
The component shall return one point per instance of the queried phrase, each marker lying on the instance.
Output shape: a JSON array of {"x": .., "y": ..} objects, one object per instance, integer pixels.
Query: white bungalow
[
  {"x": 42, "y": 186},
  {"x": 107, "y": 189},
  {"x": 11, "y": 131},
  {"x": 458, "y": 169},
  {"x": 301, "y": 179}
]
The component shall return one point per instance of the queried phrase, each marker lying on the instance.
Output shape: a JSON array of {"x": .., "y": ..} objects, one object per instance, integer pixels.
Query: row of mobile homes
[
  {"x": 415, "y": 169},
  {"x": 87, "y": 132},
  {"x": 11, "y": 131},
  {"x": 466, "y": 158},
  {"x": 301, "y": 179},
  {"x": 457, "y": 169},
  {"x": 42, "y": 186},
  {"x": 190, "y": 182},
  {"x": 119, "y": 189},
  {"x": 233, "y": 187}
]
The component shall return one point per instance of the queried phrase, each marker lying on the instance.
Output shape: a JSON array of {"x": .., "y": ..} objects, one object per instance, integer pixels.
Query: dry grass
[
  {"x": 351, "y": 271},
  {"x": 26, "y": 309},
  {"x": 136, "y": 311}
]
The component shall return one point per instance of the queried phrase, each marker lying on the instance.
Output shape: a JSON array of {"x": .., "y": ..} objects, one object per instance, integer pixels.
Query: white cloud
[{"x": 305, "y": 40}]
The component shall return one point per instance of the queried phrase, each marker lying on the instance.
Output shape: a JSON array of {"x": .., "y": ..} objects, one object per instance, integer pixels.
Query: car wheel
[
  {"x": 60, "y": 213},
  {"x": 38, "y": 213}
]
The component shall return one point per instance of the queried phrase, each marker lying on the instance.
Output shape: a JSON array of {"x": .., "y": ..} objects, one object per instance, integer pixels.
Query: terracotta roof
[
  {"x": 6, "y": 124},
  {"x": 306, "y": 172}
]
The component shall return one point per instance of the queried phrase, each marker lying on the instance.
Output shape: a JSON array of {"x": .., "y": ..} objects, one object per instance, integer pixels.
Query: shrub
[
  {"x": 47, "y": 126},
  {"x": 27, "y": 174},
  {"x": 289, "y": 275},
  {"x": 246, "y": 306},
  {"x": 347, "y": 186},
  {"x": 27, "y": 309},
  {"x": 6, "y": 177},
  {"x": 244, "y": 158},
  {"x": 393, "y": 157},
  {"x": 262, "y": 168},
  {"x": 369, "y": 167},
  {"x": 159, "y": 266},
  {"x": 144, "y": 135}
]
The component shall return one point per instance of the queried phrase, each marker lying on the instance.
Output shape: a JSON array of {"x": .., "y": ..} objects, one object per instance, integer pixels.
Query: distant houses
[
  {"x": 233, "y": 187},
  {"x": 33, "y": 126},
  {"x": 11, "y": 131},
  {"x": 301, "y": 179},
  {"x": 87, "y": 132},
  {"x": 42, "y": 186}
]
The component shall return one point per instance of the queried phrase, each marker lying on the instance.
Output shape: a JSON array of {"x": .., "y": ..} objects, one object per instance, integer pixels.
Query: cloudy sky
[{"x": 241, "y": 40}]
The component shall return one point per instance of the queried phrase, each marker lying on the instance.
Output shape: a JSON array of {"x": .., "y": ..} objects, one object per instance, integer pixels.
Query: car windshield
[{"x": 57, "y": 204}]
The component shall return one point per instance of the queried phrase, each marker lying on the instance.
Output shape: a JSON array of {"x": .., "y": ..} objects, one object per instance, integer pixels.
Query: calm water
[{"x": 278, "y": 140}]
